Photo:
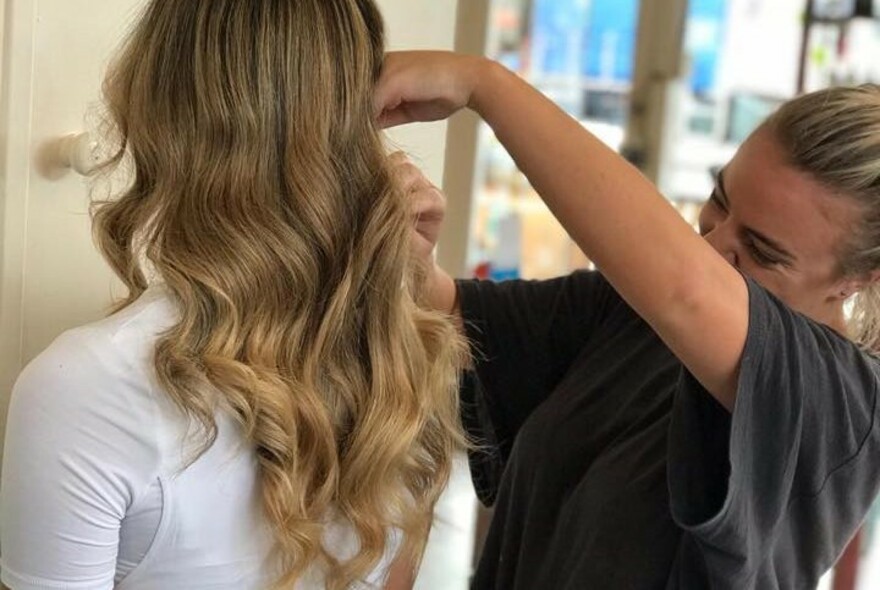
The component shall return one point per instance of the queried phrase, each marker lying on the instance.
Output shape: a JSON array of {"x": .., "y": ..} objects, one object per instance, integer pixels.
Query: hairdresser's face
[{"x": 780, "y": 227}]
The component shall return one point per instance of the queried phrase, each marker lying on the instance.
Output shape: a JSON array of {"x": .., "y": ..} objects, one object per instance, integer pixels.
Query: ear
[{"x": 849, "y": 286}]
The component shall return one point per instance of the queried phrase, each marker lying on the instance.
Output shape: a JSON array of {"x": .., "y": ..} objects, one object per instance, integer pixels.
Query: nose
[{"x": 722, "y": 237}]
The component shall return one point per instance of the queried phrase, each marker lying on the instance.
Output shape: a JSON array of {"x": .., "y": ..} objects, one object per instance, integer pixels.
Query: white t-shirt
[{"x": 96, "y": 493}]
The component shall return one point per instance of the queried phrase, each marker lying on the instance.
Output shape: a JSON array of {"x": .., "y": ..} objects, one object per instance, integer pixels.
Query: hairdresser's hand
[
  {"x": 428, "y": 210},
  {"x": 426, "y": 85},
  {"x": 428, "y": 206}
]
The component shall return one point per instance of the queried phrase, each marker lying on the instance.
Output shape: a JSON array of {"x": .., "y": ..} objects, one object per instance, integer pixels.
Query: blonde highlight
[{"x": 261, "y": 196}]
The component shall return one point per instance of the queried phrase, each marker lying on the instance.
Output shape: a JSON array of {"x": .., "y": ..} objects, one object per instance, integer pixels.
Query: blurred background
[
  {"x": 674, "y": 85},
  {"x": 732, "y": 63}
]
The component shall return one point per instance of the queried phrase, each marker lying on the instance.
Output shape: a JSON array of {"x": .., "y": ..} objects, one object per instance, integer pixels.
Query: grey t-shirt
[{"x": 611, "y": 467}]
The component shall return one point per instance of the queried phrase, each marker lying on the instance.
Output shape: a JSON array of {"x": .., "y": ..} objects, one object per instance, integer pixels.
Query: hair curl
[{"x": 262, "y": 197}]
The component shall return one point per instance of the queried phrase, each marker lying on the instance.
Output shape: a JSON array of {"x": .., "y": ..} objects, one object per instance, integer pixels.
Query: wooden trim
[
  {"x": 462, "y": 145},
  {"x": 16, "y": 103}
]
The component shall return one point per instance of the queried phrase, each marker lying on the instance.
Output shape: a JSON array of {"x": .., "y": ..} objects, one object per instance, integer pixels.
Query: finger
[
  {"x": 429, "y": 205},
  {"x": 386, "y": 97},
  {"x": 410, "y": 178},
  {"x": 382, "y": 95},
  {"x": 393, "y": 118}
]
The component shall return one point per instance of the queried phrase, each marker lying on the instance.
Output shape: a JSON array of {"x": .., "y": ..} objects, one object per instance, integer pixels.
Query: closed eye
[{"x": 760, "y": 256}]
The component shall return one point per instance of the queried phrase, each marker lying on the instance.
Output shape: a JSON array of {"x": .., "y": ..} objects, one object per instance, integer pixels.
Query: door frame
[{"x": 16, "y": 71}]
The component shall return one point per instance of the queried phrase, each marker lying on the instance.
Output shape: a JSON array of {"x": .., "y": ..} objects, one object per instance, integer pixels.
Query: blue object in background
[
  {"x": 557, "y": 30},
  {"x": 597, "y": 39},
  {"x": 705, "y": 32},
  {"x": 609, "y": 46},
  {"x": 593, "y": 38}
]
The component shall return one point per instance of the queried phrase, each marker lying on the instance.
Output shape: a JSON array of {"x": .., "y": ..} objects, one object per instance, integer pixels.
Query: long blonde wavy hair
[{"x": 262, "y": 197}]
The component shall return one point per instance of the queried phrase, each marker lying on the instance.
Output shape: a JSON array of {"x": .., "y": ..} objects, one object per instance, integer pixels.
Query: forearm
[
  {"x": 664, "y": 270},
  {"x": 601, "y": 200}
]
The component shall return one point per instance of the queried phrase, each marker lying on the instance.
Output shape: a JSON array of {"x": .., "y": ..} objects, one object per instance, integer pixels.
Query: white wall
[
  {"x": 54, "y": 52},
  {"x": 421, "y": 24},
  {"x": 762, "y": 47}
]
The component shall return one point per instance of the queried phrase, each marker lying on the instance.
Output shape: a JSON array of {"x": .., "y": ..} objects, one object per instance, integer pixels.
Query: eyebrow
[{"x": 769, "y": 243}]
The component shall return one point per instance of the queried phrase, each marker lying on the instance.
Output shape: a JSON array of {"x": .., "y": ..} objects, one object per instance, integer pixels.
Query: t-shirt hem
[{"x": 17, "y": 581}]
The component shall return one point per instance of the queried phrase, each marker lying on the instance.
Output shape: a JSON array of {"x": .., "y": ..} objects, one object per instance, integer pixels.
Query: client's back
[{"x": 102, "y": 493}]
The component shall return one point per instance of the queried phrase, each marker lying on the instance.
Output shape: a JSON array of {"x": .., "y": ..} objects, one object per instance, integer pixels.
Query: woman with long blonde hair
[{"x": 270, "y": 406}]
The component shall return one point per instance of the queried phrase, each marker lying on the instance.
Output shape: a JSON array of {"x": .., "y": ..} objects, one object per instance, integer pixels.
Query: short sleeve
[
  {"x": 524, "y": 336},
  {"x": 790, "y": 468},
  {"x": 78, "y": 452}
]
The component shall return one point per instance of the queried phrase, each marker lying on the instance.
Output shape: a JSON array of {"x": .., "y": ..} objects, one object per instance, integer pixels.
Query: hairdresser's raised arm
[{"x": 689, "y": 294}]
